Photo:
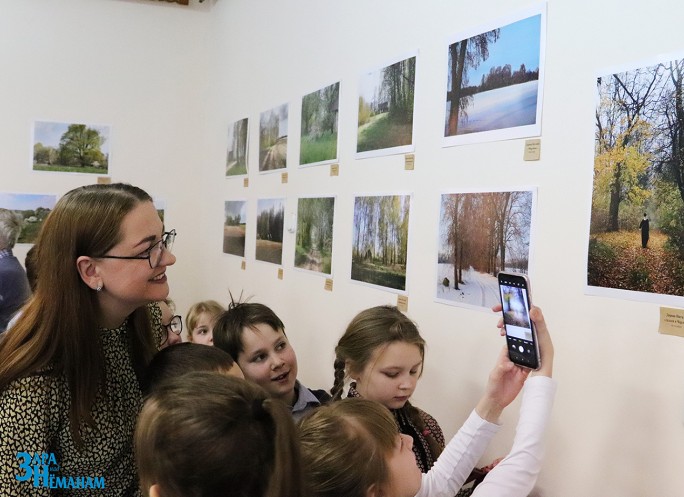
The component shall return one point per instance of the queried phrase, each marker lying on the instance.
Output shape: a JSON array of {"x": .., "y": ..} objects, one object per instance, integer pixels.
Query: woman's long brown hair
[{"x": 58, "y": 328}]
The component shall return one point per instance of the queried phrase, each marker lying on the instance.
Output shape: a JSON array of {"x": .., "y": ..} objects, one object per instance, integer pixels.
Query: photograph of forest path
[
  {"x": 319, "y": 125},
  {"x": 636, "y": 236},
  {"x": 481, "y": 234},
  {"x": 492, "y": 79},
  {"x": 273, "y": 139},
  {"x": 313, "y": 246},
  {"x": 380, "y": 240},
  {"x": 70, "y": 148},
  {"x": 269, "y": 230},
  {"x": 386, "y": 107},
  {"x": 234, "y": 227},
  {"x": 236, "y": 159}
]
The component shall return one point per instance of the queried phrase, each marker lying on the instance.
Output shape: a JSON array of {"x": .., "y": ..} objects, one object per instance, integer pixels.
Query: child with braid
[{"x": 383, "y": 352}]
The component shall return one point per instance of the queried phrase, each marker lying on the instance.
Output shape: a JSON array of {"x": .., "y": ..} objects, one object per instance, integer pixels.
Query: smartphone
[{"x": 521, "y": 337}]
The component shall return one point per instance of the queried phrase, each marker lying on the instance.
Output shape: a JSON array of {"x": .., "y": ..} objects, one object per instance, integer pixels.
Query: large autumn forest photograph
[
  {"x": 386, "y": 107},
  {"x": 493, "y": 79},
  {"x": 380, "y": 240},
  {"x": 481, "y": 234},
  {"x": 636, "y": 237}
]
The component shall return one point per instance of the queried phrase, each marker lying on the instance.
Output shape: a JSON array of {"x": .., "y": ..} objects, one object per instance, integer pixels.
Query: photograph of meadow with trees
[
  {"x": 636, "y": 236},
  {"x": 236, "y": 159},
  {"x": 71, "y": 148},
  {"x": 481, "y": 234},
  {"x": 386, "y": 107},
  {"x": 380, "y": 240},
  {"x": 493, "y": 79},
  {"x": 270, "y": 223},
  {"x": 273, "y": 139},
  {"x": 234, "y": 227},
  {"x": 319, "y": 126},
  {"x": 33, "y": 208},
  {"x": 314, "y": 240}
]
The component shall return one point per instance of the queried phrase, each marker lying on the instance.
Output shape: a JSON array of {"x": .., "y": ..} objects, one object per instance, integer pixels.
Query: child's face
[
  {"x": 391, "y": 374},
  {"x": 269, "y": 361},
  {"x": 404, "y": 475},
  {"x": 203, "y": 331}
]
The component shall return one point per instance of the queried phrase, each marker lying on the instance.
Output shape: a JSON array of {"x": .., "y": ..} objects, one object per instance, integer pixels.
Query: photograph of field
[
  {"x": 71, "y": 147},
  {"x": 236, "y": 159},
  {"x": 273, "y": 139},
  {"x": 319, "y": 126},
  {"x": 234, "y": 227},
  {"x": 493, "y": 81},
  {"x": 33, "y": 209},
  {"x": 636, "y": 234},
  {"x": 270, "y": 223},
  {"x": 314, "y": 240},
  {"x": 380, "y": 240},
  {"x": 481, "y": 234},
  {"x": 386, "y": 107}
]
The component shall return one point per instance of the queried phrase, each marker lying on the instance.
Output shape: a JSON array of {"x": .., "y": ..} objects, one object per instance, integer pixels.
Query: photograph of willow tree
[
  {"x": 380, "y": 240},
  {"x": 72, "y": 148},
  {"x": 33, "y": 208},
  {"x": 481, "y": 234},
  {"x": 636, "y": 237},
  {"x": 273, "y": 139},
  {"x": 236, "y": 160},
  {"x": 270, "y": 222},
  {"x": 492, "y": 79},
  {"x": 234, "y": 227},
  {"x": 319, "y": 125},
  {"x": 386, "y": 107},
  {"x": 313, "y": 245}
]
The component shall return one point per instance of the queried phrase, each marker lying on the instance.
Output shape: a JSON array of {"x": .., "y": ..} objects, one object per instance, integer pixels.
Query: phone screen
[{"x": 520, "y": 334}]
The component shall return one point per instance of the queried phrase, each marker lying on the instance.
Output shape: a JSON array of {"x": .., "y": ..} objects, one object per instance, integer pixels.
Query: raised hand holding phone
[{"x": 521, "y": 335}]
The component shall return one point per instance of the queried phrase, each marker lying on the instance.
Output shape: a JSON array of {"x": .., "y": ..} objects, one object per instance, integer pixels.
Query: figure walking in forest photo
[{"x": 639, "y": 168}]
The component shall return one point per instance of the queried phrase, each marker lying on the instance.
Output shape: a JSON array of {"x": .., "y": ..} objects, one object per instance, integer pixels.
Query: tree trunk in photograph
[{"x": 458, "y": 54}]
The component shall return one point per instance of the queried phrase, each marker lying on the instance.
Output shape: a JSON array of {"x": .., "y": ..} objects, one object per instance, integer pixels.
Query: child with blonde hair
[{"x": 200, "y": 320}]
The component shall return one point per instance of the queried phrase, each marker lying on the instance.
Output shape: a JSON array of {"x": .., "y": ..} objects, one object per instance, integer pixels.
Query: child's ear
[
  {"x": 349, "y": 369},
  {"x": 155, "y": 491},
  {"x": 374, "y": 490}
]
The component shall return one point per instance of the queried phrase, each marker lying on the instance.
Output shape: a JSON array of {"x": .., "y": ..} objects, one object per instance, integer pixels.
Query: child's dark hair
[
  {"x": 205, "y": 434},
  {"x": 182, "y": 358},
  {"x": 240, "y": 315}
]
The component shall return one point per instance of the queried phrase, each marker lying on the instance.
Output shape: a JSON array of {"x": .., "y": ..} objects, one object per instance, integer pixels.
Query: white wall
[{"x": 170, "y": 79}]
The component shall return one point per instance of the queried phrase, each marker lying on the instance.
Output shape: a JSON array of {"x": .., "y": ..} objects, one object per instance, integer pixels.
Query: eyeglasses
[
  {"x": 175, "y": 326},
  {"x": 152, "y": 254}
]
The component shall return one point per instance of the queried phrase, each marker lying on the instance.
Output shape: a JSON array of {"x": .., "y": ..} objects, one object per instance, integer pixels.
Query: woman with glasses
[{"x": 70, "y": 371}]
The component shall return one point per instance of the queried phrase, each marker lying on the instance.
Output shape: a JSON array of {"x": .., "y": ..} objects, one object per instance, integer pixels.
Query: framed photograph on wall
[
  {"x": 385, "y": 119},
  {"x": 636, "y": 229},
  {"x": 237, "y": 153},
  {"x": 270, "y": 224},
  {"x": 314, "y": 238},
  {"x": 380, "y": 240},
  {"x": 495, "y": 80},
  {"x": 71, "y": 147},
  {"x": 320, "y": 111},
  {"x": 273, "y": 139},
  {"x": 480, "y": 234},
  {"x": 33, "y": 208},
  {"x": 234, "y": 227}
]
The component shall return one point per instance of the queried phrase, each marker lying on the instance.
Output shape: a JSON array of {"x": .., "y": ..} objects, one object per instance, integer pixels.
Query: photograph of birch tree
[
  {"x": 314, "y": 240},
  {"x": 380, "y": 240},
  {"x": 236, "y": 160},
  {"x": 636, "y": 236},
  {"x": 481, "y": 234}
]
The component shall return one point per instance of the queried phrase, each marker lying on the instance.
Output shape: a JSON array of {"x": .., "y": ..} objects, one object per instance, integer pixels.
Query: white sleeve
[
  {"x": 517, "y": 473},
  {"x": 458, "y": 459}
]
